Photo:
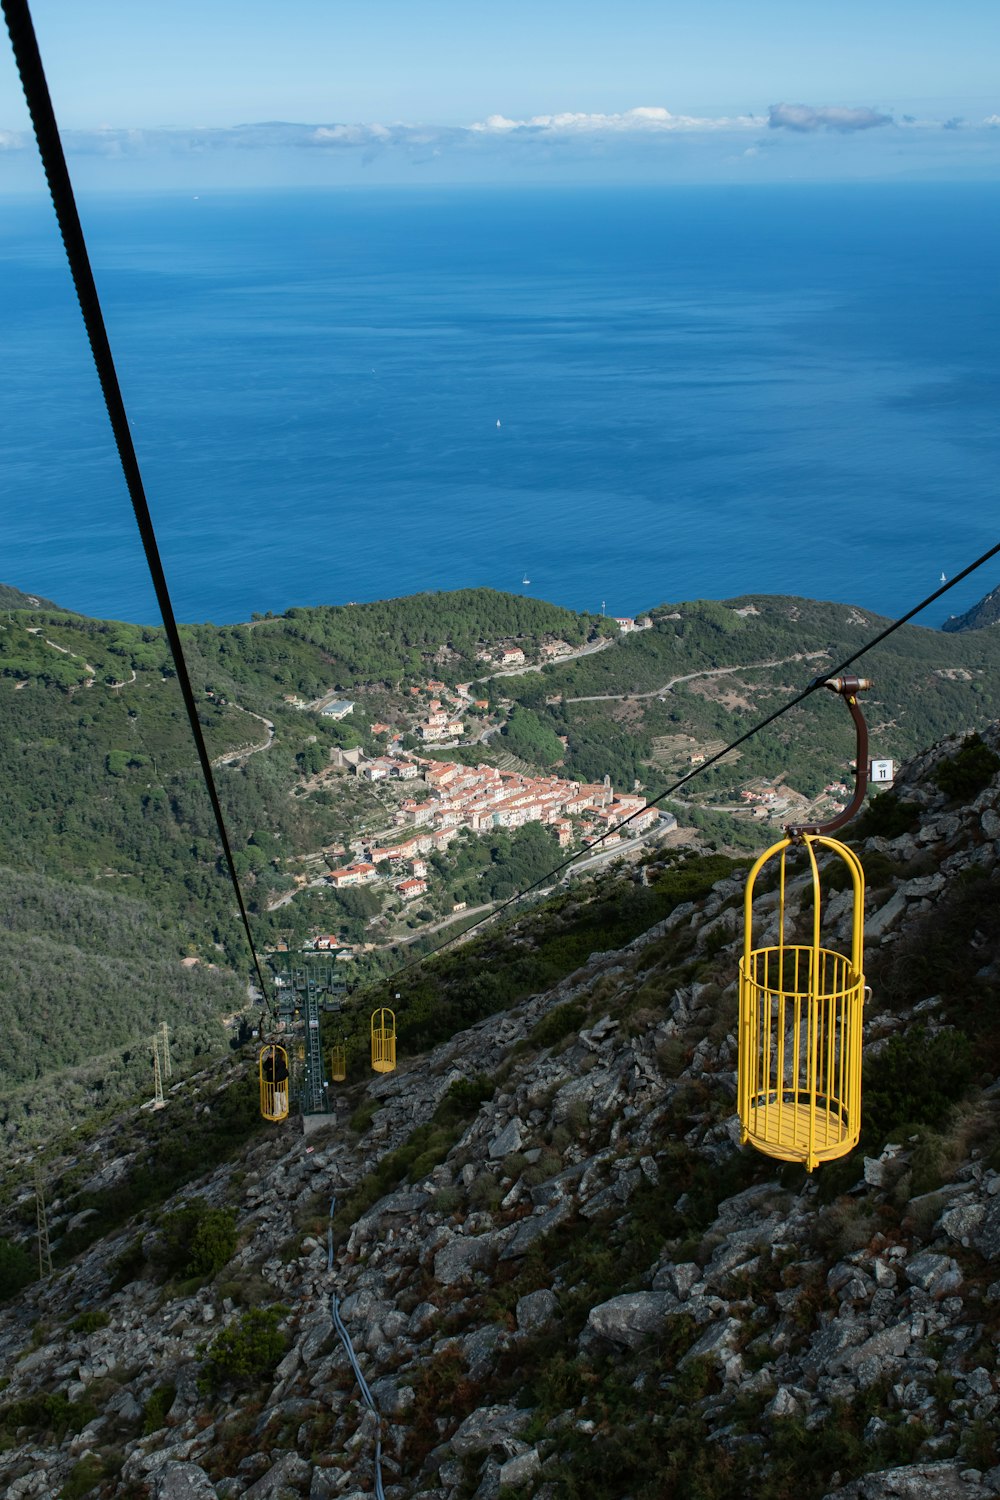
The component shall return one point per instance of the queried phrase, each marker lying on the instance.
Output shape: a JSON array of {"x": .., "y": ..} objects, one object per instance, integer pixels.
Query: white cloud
[
  {"x": 648, "y": 139},
  {"x": 806, "y": 118},
  {"x": 644, "y": 122},
  {"x": 645, "y": 118}
]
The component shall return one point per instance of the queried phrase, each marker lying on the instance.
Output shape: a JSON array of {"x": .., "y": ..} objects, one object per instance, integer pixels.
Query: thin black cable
[
  {"x": 712, "y": 760},
  {"x": 37, "y": 97}
]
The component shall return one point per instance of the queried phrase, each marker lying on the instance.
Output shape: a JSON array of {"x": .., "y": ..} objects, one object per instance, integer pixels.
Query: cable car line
[
  {"x": 812, "y": 1117},
  {"x": 32, "y": 74},
  {"x": 39, "y": 102},
  {"x": 345, "y": 1339}
]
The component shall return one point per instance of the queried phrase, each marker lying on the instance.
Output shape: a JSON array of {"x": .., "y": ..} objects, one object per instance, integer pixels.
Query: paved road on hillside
[
  {"x": 750, "y": 666},
  {"x": 557, "y": 661},
  {"x": 231, "y": 755}
]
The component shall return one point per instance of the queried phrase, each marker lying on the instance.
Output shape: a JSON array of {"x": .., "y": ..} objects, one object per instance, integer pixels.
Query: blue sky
[{"x": 440, "y": 90}]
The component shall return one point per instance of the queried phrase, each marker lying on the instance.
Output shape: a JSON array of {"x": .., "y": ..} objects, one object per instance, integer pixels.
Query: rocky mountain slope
[
  {"x": 562, "y": 1275},
  {"x": 981, "y": 615}
]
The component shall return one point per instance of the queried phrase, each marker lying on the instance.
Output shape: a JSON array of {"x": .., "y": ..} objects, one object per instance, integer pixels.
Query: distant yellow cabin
[
  {"x": 272, "y": 1068},
  {"x": 383, "y": 1040}
]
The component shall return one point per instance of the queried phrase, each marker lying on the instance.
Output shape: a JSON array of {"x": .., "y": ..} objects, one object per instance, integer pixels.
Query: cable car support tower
[{"x": 304, "y": 991}]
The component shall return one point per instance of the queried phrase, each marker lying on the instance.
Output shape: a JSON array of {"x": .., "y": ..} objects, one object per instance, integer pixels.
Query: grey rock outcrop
[
  {"x": 936, "y": 1481},
  {"x": 181, "y": 1481},
  {"x": 631, "y": 1318}
]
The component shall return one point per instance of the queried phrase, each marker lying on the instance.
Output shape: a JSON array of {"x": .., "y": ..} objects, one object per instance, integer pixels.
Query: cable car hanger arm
[{"x": 848, "y": 689}]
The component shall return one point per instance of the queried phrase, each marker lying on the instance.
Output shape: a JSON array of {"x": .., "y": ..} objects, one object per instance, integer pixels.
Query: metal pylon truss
[
  {"x": 314, "y": 1089},
  {"x": 306, "y": 986},
  {"x": 42, "y": 1225}
]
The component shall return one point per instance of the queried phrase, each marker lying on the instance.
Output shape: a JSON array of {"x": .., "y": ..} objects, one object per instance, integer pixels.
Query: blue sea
[{"x": 621, "y": 396}]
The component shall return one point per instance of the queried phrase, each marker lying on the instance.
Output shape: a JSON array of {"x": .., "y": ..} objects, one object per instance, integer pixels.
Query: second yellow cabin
[
  {"x": 383, "y": 1040},
  {"x": 272, "y": 1070}
]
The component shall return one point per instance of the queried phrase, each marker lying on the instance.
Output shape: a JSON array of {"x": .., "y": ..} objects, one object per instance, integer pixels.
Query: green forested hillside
[
  {"x": 96, "y": 754},
  {"x": 115, "y": 872},
  {"x": 313, "y": 650},
  {"x": 305, "y": 650},
  {"x": 979, "y": 617},
  {"x": 707, "y": 670},
  {"x": 87, "y": 976},
  {"x": 14, "y": 599}
]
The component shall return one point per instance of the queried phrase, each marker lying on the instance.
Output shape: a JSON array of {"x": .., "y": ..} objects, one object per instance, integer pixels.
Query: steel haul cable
[
  {"x": 36, "y": 93},
  {"x": 345, "y": 1339}
]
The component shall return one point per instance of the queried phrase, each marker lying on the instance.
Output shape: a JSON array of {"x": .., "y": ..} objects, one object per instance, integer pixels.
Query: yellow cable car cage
[
  {"x": 800, "y": 1018},
  {"x": 383, "y": 1040},
  {"x": 338, "y": 1062},
  {"x": 274, "y": 1082},
  {"x": 799, "y": 1083}
]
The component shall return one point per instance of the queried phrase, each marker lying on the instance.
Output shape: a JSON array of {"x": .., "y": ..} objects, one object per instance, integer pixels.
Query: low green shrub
[
  {"x": 879, "y": 869},
  {"x": 17, "y": 1269},
  {"x": 90, "y": 1321},
  {"x": 247, "y": 1352},
  {"x": 463, "y": 1098},
  {"x": 84, "y": 1477},
  {"x": 128, "y": 1266},
  {"x": 176, "y": 1149},
  {"x": 447, "y": 1200},
  {"x": 560, "y": 1022},
  {"x": 968, "y": 772},
  {"x": 154, "y": 1413},
  {"x": 48, "y": 1412},
  {"x": 916, "y": 1079},
  {"x": 363, "y": 1116},
  {"x": 195, "y": 1241},
  {"x": 214, "y": 1242},
  {"x": 485, "y": 1192},
  {"x": 886, "y": 816},
  {"x": 979, "y": 1447}
]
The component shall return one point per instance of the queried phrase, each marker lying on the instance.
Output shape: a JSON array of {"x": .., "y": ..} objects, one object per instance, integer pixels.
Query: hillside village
[
  {"x": 475, "y": 800},
  {"x": 432, "y": 801},
  {"x": 480, "y": 798}
]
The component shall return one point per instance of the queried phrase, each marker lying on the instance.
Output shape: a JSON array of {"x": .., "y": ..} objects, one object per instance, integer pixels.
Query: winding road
[
  {"x": 750, "y": 666},
  {"x": 232, "y": 755}
]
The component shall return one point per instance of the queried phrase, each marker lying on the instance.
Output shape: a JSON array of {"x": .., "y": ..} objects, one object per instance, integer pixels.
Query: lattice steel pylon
[
  {"x": 42, "y": 1222},
  {"x": 158, "y": 1101},
  {"x": 165, "y": 1044},
  {"x": 314, "y": 1091}
]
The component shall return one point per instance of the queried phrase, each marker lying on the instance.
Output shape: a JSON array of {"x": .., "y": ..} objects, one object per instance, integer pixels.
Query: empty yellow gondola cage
[
  {"x": 801, "y": 1002},
  {"x": 800, "y": 1026},
  {"x": 338, "y": 1062},
  {"x": 383, "y": 1040},
  {"x": 273, "y": 1071}
]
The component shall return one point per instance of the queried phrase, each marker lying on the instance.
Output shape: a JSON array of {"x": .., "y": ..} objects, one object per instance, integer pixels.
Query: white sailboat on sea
[{"x": 525, "y": 580}]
